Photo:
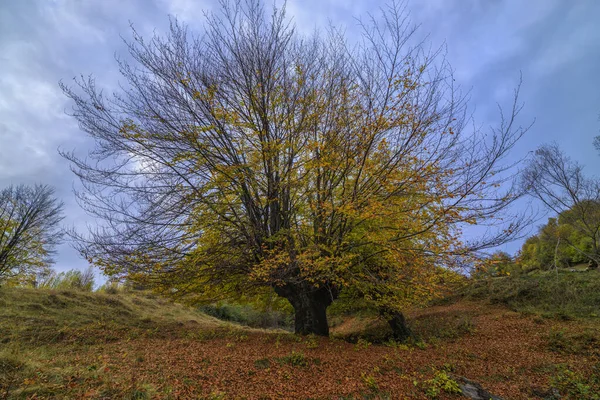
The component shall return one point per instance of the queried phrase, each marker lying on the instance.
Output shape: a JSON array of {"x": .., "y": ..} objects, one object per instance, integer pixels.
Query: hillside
[
  {"x": 42, "y": 317},
  {"x": 567, "y": 293},
  {"x": 64, "y": 344}
]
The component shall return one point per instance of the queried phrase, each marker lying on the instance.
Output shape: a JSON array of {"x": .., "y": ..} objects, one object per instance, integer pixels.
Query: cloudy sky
[{"x": 554, "y": 44}]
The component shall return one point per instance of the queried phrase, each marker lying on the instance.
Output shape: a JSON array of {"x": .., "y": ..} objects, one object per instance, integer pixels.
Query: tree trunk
[
  {"x": 400, "y": 329},
  {"x": 310, "y": 307}
]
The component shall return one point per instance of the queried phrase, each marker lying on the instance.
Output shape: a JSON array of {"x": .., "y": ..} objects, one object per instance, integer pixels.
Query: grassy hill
[
  {"x": 501, "y": 333},
  {"x": 37, "y": 317},
  {"x": 44, "y": 334},
  {"x": 564, "y": 293}
]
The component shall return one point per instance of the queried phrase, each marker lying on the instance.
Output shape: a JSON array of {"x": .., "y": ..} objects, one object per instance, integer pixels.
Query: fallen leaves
[{"x": 507, "y": 353}]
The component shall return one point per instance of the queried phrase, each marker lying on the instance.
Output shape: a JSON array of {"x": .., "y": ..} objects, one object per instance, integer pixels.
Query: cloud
[
  {"x": 554, "y": 44},
  {"x": 189, "y": 11},
  {"x": 42, "y": 42}
]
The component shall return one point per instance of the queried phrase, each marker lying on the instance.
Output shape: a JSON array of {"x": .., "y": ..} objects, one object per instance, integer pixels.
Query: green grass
[
  {"x": 562, "y": 295},
  {"x": 584, "y": 342}
]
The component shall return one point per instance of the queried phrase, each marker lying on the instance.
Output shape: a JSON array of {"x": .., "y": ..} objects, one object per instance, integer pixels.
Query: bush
[
  {"x": 499, "y": 263},
  {"x": 362, "y": 344},
  {"x": 249, "y": 315},
  {"x": 450, "y": 326},
  {"x": 262, "y": 363}
]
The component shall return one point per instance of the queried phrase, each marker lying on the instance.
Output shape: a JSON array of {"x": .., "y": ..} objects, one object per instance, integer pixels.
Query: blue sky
[{"x": 554, "y": 44}]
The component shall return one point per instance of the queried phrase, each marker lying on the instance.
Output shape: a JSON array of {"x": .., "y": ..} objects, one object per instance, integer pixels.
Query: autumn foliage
[{"x": 253, "y": 157}]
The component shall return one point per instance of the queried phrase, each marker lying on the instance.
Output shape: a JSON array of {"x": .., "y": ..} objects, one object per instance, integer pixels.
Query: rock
[
  {"x": 473, "y": 390},
  {"x": 550, "y": 394}
]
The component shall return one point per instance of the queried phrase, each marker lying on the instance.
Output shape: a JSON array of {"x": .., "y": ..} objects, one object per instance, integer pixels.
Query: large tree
[
  {"x": 255, "y": 157},
  {"x": 560, "y": 184},
  {"x": 29, "y": 229}
]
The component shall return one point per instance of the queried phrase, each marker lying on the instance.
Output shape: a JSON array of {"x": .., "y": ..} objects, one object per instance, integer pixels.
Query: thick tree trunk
[
  {"x": 310, "y": 307},
  {"x": 400, "y": 329}
]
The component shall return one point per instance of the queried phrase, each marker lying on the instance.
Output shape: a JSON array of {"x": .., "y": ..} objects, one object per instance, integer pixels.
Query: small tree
[
  {"x": 499, "y": 263},
  {"x": 253, "y": 157},
  {"x": 29, "y": 229},
  {"x": 560, "y": 184}
]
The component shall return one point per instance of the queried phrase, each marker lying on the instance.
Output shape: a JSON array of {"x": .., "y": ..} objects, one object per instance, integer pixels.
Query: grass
[
  {"x": 573, "y": 385},
  {"x": 565, "y": 295},
  {"x": 426, "y": 328},
  {"x": 582, "y": 342},
  {"x": 43, "y": 332},
  {"x": 36, "y": 317},
  {"x": 294, "y": 359},
  {"x": 69, "y": 344}
]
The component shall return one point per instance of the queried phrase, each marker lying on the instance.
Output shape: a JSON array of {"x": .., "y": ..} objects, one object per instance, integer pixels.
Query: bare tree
[
  {"x": 560, "y": 184},
  {"x": 254, "y": 157},
  {"x": 29, "y": 228}
]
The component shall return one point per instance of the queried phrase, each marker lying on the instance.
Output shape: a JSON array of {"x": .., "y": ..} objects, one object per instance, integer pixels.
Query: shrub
[
  {"x": 441, "y": 383},
  {"x": 579, "y": 343},
  {"x": 111, "y": 288},
  {"x": 312, "y": 342},
  {"x": 248, "y": 315},
  {"x": 449, "y": 326}
]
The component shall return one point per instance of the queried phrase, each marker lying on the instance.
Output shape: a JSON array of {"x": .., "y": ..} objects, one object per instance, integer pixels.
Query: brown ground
[{"x": 508, "y": 353}]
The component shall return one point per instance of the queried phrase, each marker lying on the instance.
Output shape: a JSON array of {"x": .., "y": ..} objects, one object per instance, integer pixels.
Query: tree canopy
[
  {"x": 560, "y": 184},
  {"x": 558, "y": 243},
  {"x": 29, "y": 229},
  {"x": 253, "y": 157}
]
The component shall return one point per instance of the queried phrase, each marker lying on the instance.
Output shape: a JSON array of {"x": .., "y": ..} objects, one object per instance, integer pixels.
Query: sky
[{"x": 553, "y": 44}]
